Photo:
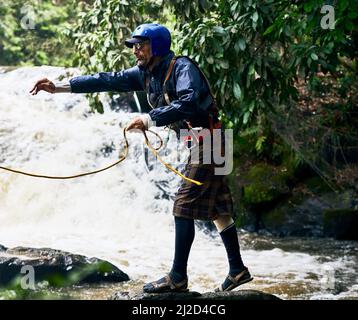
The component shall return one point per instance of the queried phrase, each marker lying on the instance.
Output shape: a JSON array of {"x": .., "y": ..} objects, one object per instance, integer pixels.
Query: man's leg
[
  {"x": 184, "y": 237},
  {"x": 177, "y": 280},
  {"x": 226, "y": 227}
]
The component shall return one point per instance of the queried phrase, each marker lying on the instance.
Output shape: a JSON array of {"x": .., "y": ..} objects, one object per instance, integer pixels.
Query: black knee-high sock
[
  {"x": 184, "y": 237},
  {"x": 231, "y": 243}
]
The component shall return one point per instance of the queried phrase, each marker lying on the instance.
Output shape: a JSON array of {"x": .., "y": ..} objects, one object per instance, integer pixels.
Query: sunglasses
[{"x": 140, "y": 45}]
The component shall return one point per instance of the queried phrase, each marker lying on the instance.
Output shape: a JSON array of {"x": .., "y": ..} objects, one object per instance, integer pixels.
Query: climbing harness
[
  {"x": 154, "y": 150},
  {"x": 208, "y": 102}
]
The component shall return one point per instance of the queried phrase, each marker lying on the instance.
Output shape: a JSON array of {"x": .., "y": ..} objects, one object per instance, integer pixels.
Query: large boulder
[
  {"x": 311, "y": 208},
  {"x": 55, "y": 266},
  {"x": 312, "y": 214},
  {"x": 341, "y": 223}
]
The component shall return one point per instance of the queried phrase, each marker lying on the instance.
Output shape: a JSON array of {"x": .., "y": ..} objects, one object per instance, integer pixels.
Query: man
[{"x": 177, "y": 90}]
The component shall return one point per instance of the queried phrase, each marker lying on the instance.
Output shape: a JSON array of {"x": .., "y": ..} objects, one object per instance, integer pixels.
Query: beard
[{"x": 143, "y": 63}]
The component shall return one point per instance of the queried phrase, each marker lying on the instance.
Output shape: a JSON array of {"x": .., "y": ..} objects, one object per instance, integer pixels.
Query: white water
[{"x": 117, "y": 215}]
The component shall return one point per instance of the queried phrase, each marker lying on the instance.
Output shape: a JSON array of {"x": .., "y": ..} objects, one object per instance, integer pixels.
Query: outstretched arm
[
  {"x": 123, "y": 81},
  {"x": 127, "y": 80}
]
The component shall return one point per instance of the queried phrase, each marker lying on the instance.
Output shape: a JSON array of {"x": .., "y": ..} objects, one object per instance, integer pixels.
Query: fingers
[
  {"x": 137, "y": 124},
  {"x": 38, "y": 82},
  {"x": 39, "y": 85},
  {"x": 37, "y": 89},
  {"x": 129, "y": 127},
  {"x": 132, "y": 126}
]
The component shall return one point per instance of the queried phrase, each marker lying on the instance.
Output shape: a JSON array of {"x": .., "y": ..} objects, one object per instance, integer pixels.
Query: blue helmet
[{"x": 158, "y": 35}]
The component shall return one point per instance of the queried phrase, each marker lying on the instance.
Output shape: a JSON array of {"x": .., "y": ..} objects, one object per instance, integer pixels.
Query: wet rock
[
  {"x": 299, "y": 216},
  {"x": 4, "y": 69},
  {"x": 193, "y": 295},
  {"x": 341, "y": 224},
  {"x": 162, "y": 296},
  {"x": 123, "y": 102},
  {"x": 55, "y": 266},
  {"x": 303, "y": 214},
  {"x": 239, "y": 295}
]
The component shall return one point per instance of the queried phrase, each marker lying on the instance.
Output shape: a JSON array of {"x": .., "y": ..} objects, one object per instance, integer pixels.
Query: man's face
[{"x": 143, "y": 53}]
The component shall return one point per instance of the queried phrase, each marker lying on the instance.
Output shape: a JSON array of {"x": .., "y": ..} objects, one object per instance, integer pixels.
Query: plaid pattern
[{"x": 205, "y": 202}]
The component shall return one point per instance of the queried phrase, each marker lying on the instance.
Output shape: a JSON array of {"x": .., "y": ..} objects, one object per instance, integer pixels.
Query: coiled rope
[{"x": 149, "y": 145}]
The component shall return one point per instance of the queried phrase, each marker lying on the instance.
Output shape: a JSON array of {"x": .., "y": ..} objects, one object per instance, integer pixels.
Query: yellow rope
[
  {"x": 167, "y": 165},
  {"x": 154, "y": 150}
]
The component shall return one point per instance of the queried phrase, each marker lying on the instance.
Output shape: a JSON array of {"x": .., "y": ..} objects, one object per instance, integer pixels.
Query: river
[{"x": 123, "y": 215}]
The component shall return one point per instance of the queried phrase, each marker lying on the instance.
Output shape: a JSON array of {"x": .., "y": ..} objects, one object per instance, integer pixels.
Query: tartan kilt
[{"x": 205, "y": 202}]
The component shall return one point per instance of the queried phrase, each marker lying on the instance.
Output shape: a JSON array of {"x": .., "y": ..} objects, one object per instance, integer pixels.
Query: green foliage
[
  {"x": 99, "y": 35},
  {"x": 228, "y": 43},
  {"x": 31, "y": 32},
  {"x": 50, "y": 288},
  {"x": 42, "y": 291},
  {"x": 253, "y": 52},
  {"x": 265, "y": 183}
]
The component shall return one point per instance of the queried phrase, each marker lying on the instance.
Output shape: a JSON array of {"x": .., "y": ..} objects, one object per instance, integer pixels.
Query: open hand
[{"x": 43, "y": 84}]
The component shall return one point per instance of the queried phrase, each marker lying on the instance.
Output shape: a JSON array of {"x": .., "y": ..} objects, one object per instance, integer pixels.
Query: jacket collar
[{"x": 163, "y": 65}]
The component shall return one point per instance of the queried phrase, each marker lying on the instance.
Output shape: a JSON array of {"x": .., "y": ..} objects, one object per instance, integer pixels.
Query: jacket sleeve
[
  {"x": 127, "y": 80},
  {"x": 188, "y": 85}
]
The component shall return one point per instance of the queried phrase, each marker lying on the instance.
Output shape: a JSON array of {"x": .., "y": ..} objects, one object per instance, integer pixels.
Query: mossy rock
[
  {"x": 265, "y": 183},
  {"x": 317, "y": 185},
  {"x": 298, "y": 215},
  {"x": 310, "y": 214},
  {"x": 341, "y": 223}
]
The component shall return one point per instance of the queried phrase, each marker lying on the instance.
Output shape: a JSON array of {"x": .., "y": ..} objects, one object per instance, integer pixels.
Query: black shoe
[
  {"x": 166, "y": 284},
  {"x": 231, "y": 282}
]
